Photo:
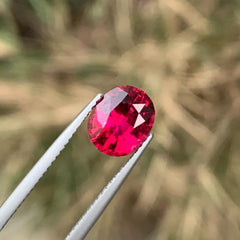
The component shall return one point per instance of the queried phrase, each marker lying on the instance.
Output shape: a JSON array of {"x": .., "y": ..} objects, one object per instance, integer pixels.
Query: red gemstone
[{"x": 121, "y": 120}]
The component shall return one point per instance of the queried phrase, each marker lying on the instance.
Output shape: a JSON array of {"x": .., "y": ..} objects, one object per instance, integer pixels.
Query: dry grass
[{"x": 56, "y": 55}]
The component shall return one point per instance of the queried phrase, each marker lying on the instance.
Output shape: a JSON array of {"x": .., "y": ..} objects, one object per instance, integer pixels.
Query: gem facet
[{"x": 121, "y": 121}]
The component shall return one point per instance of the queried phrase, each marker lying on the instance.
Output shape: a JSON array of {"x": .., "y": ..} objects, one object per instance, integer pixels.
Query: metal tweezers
[{"x": 87, "y": 221}]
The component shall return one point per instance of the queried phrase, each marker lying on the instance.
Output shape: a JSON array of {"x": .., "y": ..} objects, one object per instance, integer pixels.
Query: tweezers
[{"x": 87, "y": 221}]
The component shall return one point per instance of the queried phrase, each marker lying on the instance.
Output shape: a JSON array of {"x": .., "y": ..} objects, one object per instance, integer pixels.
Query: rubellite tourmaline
[{"x": 121, "y": 121}]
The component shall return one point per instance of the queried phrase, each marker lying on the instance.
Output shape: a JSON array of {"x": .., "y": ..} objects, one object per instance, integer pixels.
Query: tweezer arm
[
  {"x": 84, "y": 225},
  {"x": 27, "y": 184}
]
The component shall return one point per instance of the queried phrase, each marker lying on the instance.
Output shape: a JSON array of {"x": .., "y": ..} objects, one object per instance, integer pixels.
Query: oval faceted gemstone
[{"x": 121, "y": 121}]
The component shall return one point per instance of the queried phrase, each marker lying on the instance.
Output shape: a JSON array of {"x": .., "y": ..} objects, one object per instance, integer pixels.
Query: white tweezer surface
[
  {"x": 30, "y": 180},
  {"x": 83, "y": 226}
]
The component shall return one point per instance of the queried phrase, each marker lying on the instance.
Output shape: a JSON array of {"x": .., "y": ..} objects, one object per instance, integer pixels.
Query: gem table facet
[{"x": 121, "y": 121}]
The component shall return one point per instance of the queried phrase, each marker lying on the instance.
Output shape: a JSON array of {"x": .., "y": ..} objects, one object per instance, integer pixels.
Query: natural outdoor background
[{"x": 56, "y": 55}]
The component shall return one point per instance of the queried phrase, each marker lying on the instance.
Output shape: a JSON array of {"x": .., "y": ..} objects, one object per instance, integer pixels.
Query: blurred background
[{"x": 56, "y": 55}]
